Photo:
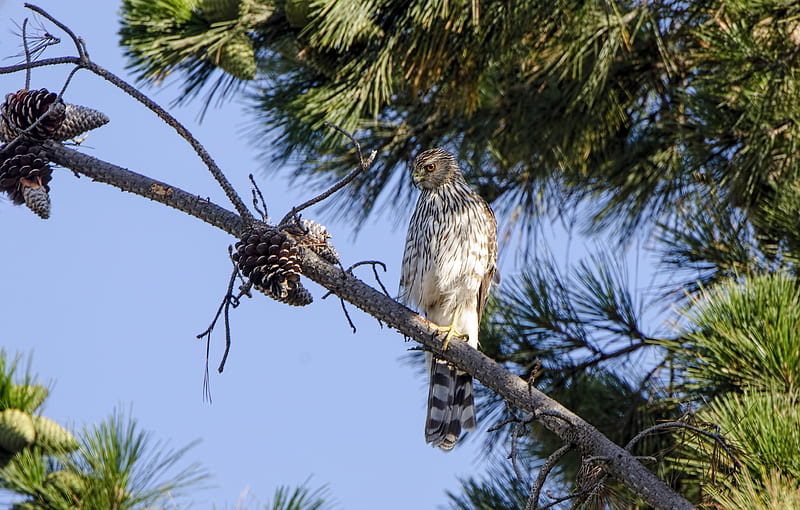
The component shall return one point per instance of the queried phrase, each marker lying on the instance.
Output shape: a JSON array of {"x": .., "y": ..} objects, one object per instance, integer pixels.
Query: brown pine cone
[
  {"x": 268, "y": 257},
  {"x": 26, "y": 166},
  {"x": 22, "y": 108}
]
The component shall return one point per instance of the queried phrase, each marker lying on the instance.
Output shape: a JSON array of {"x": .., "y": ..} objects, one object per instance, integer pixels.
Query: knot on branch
[{"x": 269, "y": 258}]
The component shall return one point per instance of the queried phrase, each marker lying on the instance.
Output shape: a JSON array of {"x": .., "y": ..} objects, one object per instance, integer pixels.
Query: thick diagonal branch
[{"x": 571, "y": 428}]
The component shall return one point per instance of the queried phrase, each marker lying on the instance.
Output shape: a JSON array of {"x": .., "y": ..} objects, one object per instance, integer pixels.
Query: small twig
[
  {"x": 67, "y": 81},
  {"x": 79, "y": 44},
  {"x": 27, "y": 53},
  {"x": 199, "y": 149},
  {"x": 362, "y": 167},
  {"x": 503, "y": 423},
  {"x": 40, "y": 63},
  {"x": 257, "y": 195},
  {"x": 676, "y": 424},
  {"x": 40, "y": 45},
  {"x": 519, "y": 428},
  {"x": 559, "y": 500},
  {"x": 544, "y": 471},
  {"x": 352, "y": 139},
  {"x": 224, "y": 309},
  {"x": 231, "y": 301},
  {"x": 378, "y": 278},
  {"x": 349, "y": 271},
  {"x": 347, "y": 315}
]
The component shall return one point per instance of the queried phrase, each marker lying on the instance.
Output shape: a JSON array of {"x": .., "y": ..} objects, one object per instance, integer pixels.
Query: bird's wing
[
  {"x": 408, "y": 268},
  {"x": 491, "y": 261}
]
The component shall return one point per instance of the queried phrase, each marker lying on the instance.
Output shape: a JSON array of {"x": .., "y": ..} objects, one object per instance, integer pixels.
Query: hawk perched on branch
[{"x": 448, "y": 265}]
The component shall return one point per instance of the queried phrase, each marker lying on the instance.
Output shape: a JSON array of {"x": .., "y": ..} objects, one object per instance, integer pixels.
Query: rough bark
[{"x": 572, "y": 429}]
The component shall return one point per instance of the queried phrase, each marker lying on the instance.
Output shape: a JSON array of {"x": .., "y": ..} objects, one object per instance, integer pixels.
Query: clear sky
[{"x": 109, "y": 294}]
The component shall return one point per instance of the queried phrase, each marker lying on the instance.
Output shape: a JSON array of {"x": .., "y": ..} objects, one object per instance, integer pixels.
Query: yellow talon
[{"x": 451, "y": 332}]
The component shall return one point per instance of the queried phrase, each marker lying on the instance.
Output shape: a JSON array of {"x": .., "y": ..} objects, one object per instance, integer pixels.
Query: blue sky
[{"x": 109, "y": 294}]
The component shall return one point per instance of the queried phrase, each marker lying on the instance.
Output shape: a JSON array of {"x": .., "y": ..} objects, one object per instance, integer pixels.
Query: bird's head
[{"x": 434, "y": 168}]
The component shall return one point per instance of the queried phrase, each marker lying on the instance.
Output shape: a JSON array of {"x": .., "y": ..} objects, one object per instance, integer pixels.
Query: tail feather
[{"x": 451, "y": 405}]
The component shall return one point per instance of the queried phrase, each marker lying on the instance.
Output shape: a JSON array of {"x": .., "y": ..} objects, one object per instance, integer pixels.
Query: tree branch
[{"x": 568, "y": 426}]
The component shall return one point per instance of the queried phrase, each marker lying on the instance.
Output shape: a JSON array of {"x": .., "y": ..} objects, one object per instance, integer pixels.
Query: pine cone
[
  {"x": 237, "y": 57},
  {"x": 27, "y": 166},
  {"x": 268, "y": 257},
  {"x": 37, "y": 200},
  {"x": 317, "y": 238},
  {"x": 24, "y": 107},
  {"x": 52, "y": 437},
  {"x": 16, "y": 430},
  {"x": 78, "y": 120},
  {"x": 219, "y": 10}
]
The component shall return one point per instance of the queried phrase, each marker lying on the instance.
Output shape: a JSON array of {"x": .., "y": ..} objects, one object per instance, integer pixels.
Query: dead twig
[
  {"x": 347, "y": 316},
  {"x": 362, "y": 167},
  {"x": 224, "y": 309},
  {"x": 349, "y": 270},
  {"x": 40, "y": 42},
  {"x": 519, "y": 429},
  {"x": 27, "y": 53},
  {"x": 80, "y": 45},
  {"x": 258, "y": 196},
  {"x": 716, "y": 436},
  {"x": 544, "y": 471}
]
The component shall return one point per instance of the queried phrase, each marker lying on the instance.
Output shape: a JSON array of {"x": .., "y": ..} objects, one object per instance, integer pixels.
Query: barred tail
[{"x": 451, "y": 405}]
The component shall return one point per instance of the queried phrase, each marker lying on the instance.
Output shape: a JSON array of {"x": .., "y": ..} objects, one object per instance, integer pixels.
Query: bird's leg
[{"x": 451, "y": 332}]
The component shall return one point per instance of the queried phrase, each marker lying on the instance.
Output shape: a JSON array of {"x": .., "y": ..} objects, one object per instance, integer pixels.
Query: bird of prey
[{"x": 448, "y": 265}]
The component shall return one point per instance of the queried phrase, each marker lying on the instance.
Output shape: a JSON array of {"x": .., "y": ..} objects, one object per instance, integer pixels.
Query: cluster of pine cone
[
  {"x": 27, "y": 117},
  {"x": 269, "y": 258}
]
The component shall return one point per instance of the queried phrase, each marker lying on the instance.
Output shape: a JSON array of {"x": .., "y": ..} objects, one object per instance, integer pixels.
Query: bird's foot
[{"x": 450, "y": 333}]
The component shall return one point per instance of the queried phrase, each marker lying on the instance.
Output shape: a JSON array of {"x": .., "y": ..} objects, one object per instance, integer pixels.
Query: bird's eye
[{"x": 430, "y": 167}]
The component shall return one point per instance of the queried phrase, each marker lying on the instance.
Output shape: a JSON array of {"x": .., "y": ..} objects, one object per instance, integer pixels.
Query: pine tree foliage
[
  {"x": 739, "y": 357},
  {"x": 111, "y": 465},
  {"x": 775, "y": 492},
  {"x": 744, "y": 337},
  {"x": 299, "y": 498},
  {"x": 633, "y": 105}
]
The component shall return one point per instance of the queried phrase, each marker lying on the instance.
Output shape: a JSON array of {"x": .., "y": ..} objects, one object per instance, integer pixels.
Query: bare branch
[
  {"x": 347, "y": 315},
  {"x": 158, "y": 191},
  {"x": 224, "y": 308},
  {"x": 716, "y": 436},
  {"x": 362, "y": 167},
  {"x": 171, "y": 121},
  {"x": 40, "y": 63},
  {"x": 258, "y": 197},
  {"x": 519, "y": 429},
  {"x": 544, "y": 471},
  {"x": 27, "y": 53}
]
